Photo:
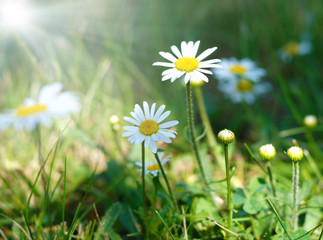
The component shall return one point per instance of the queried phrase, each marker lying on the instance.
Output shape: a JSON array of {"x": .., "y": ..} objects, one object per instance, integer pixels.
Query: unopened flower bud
[
  {"x": 295, "y": 153},
  {"x": 267, "y": 152},
  {"x": 310, "y": 121},
  {"x": 197, "y": 83},
  {"x": 226, "y": 136}
]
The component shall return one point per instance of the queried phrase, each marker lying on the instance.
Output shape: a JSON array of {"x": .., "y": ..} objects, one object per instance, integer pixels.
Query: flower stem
[
  {"x": 143, "y": 190},
  {"x": 167, "y": 183},
  {"x": 228, "y": 178},
  {"x": 206, "y": 121},
  {"x": 192, "y": 133},
  {"x": 271, "y": 179},
  {"x": 295, "y": 195}
]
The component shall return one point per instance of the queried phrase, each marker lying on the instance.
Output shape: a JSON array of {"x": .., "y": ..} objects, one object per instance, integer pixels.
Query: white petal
[
  {"x": 132, "y": 121},
  {"x": 49, "y": 92},
  {"x": 163, "y": 138},
  {"x": 139, "y": 164},
  {"x": 210, "y": 66},
  {"x": 169, "y": 71},
  {"x": 153, "y": 146},
  {"x": 168, "y": 124},
  {"x": 140, "y": 139},
  {"x": 146, "y": 110},
  {"x": 187, "y": 78},
  {"x": 152, "y": 110},
  {"x": 195, "y": 48},
  {"x": 184, "y": 49},
  {"x": 190, "y": 49},
  {"x": 210, "y": 61},
  {"x": 154, "y": 137},
  {"x": 164, "y": 64},
  {"x": 206, "y": 53},
  {"x": 168, "y": 56},
  {"x": 131, "y": 128},
  {"x": 147, "y": 141},
  {"x": 135, "y": 117},
  {"x": 168, "y": 134},
  {"x": 169, "y": 76},
  {"x": 204, "y": 71},
  {"x": 163, "y": 116},
  {"x": 127, "y": 134},
  {"x": 176, "y": 51},
  {"x": 177, "y": 75},
  {"x": 139, "y": 113},
  {"x": 159, "y": 112}
]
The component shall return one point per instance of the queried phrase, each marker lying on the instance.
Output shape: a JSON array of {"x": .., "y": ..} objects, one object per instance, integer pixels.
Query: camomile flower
[
  {"x": 153, "y": 167},
  {"x": 50, "y": 103},
  {"x": 149, "y": 127},
  {"x": 185, "y": 63},
  {"x": 243, "y": 90},
  {"x": 234, "y": 69},
  {"x": 293, "y": 49}
]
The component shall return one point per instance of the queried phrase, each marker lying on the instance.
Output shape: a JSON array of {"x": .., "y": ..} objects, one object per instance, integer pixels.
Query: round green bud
[
  {"x": 267, "y": 152},
  {"x": 310, "y": 121},
  {"x": 114, "y": 119},
  {"x": 226, "y": 136},
  {"x": 295, "y": 153}
]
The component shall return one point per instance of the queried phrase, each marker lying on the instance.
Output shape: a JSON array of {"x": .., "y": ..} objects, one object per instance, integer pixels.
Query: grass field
[{"x": 72, "y": 175}]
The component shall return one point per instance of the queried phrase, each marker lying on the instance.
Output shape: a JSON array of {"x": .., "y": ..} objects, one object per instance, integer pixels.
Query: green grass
[{"x": 103, "y": 50}]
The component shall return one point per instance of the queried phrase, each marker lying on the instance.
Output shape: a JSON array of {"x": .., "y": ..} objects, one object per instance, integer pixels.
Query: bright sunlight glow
[{"x": 15, "y": 14}]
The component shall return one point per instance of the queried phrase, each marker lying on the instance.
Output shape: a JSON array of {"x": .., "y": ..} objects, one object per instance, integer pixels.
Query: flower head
[
  {"x": 148, "y": 126},
  {"x": 51, "y": 103},
  {"x": 226, "y": 136},
  {"x": 295, "y": 153},
  {"x": 234, "y": 69},
  {"x": 243, "y": 90},
  {"x": 310, "y": 121},
  {"x": 186, "y": 63},
  {"x": 267, "y": 152},
  {"x": 293, "y": 49},
  {"x": 153, "y": 167}
]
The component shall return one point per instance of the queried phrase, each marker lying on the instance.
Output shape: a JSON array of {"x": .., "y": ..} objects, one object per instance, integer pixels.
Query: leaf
[
  {"x": 198, "y": 138},
  {"x": 111, "y": 216},
  {"x": 239, "y": 196},
  {"x": 252, "y": 206},
  {"x": 299, "y": 235}
]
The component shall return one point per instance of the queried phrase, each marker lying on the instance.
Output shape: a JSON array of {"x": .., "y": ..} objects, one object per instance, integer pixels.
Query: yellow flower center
[
  {"x": 186, "y": 64},
  {"x": 148, "y": 127},
  {"x": 30, "y": 110},
  {"x": 238, "y": 69},
  {"x": 292, "y": 48},
  {"x": 244, "y": 85},
  {"x": 153, "y": 167}
]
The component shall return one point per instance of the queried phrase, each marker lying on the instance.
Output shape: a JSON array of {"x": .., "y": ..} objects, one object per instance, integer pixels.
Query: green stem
[
  {"x": 295, "y": 195},
  {"x": 167, "y": 183},
  {"x": 206, "y": 121},
  {"x": 192, "y": 133},
  {"x": 143, "y": 189},
  {"x": 271, "y": 179},
  {"x": 228, "y": 178}
]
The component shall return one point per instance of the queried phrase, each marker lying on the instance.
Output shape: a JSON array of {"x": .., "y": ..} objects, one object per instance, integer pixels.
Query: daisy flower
[
  {"x": 186, "y": 63},
  {"x": 293, "y": 49},
  {"x": 148, "y": 126},
  {"x": 243, "y": 89},
  {"x": 50, "y": 103},
  {"x": 234, "y": 69},
  {"x": 153, "y": 167}
]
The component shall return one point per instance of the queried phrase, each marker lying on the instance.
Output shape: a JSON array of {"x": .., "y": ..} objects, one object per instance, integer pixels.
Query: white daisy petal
[
  {"x": 146, "y": 110},
  {"x": 132, "y": 121},
  {"x": 206, "y": 53},
  {"x": 168, "y": 124},
  {"x": 135, "y": 117},
  {"x": 140, "y": 139},
  {"x": 127, "y": 134},
  {"x": 164, "y": 64},
  {"x": 205, "y": 71},
  {"x": 168, "y": 56},
  {"x": 152, "y": 110},
  {"x": 164, "y": 138},
  {"x": 176, "y": 51},
  {"x": 131, "y": 128},
  {"x": 147, "y": 142},
  {"x": 183, "y": 48},
  {"x": 139, "y": 112},
  {"x": 153, "y": 146},
  {"x": 169, "y": 76},
  {"x": 163, "y": 116},
  {"x": 195, "y": 48},
  {"x": 168, "y": 71},
  {"x": 168, "y": 134},
  {"x": 159, "y": 112}
]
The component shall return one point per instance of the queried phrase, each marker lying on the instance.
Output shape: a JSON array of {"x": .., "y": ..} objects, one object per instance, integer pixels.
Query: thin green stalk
[
  {"x": 253, "y": 158},
  {"x": 160, "y": 217},
  {"x": 63, "y": 203},
  {"x": 271, "y": 179},
  {"x": 279, "y": 219},
  {"x": 192, "y": 133},
  {"x": 143, "y": 189},
  {"x": 228, "y": 178},
  {"x": 171, "y": 194},
  {"x": 295, "y": 195},
  {"x": 206, "y": 121}
]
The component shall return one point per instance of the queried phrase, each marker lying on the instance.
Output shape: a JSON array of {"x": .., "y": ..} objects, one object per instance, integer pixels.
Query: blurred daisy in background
[
  {"x": 51, "y": 103},
  {"x": 186, "y": 63},
  {"x": 234, "y": 69},
  {"x": 149, "y": 127},
  {"x": 293, "y": 49},
  {"x": 243, "y": 90},
  {"x": 153, "y": 167}
]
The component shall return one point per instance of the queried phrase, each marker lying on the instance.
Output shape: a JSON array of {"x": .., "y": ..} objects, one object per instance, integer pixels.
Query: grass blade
[{"x": 170, "y": 233}]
